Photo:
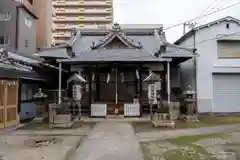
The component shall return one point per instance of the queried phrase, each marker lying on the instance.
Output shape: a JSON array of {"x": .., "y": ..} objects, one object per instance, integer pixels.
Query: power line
[
  {"x": 205, "y": 15},
  {"x": 214, "y": 38},
  {"x": 224, "y": 2},
  {"x": 204, "y": 11}
]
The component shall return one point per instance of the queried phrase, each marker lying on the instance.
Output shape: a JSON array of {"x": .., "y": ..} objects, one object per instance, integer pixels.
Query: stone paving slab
[
  {"x": 57, "y": 132},
  {"x": 17, "y": 148},
  {"x": 161, "y": 135},
  {"x": 110, "y": 141}
]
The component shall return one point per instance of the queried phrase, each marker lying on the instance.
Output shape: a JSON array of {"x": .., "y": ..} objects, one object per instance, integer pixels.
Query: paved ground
[
  {"x": 161, "y": 135},
  {"x": 110, "y": 141},
  {"x": 40, "y": 144}
]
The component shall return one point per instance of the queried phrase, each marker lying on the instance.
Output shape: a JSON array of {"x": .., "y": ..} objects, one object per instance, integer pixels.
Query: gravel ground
[{"x": 220, "y": 147}]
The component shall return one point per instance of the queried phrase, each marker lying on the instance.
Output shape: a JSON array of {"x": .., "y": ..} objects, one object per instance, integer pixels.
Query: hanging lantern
[
  {"x": 108, "y": 77},
  {"x": 122, "y": 77},
  {"x": 93, "y": 77},
  {"x": 137, "y": 74}
]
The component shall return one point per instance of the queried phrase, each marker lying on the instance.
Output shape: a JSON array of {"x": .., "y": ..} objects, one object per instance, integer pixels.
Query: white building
[{"x": 217, "y": 65}]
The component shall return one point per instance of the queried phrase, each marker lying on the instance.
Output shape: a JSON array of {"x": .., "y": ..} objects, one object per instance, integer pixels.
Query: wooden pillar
[
  {"x": 97, "y": 76},
  {"x": 60, "y": 83},
  {"x": 163, "y": 84},
  {"x": 169, "y": 81},
  {"x": 140, "y": 89},
  {"x": 90, "y": 89},
  {"x": 137, "y": 85}
]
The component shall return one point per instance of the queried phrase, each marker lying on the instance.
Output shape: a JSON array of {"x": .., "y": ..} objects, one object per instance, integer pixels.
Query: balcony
[
  {"x": 83, "y": 11},
  {"x": 53, "y": 11},
  {"x": 62, "y": 35},
  {"x": 54, "y": 26},
  {"x": 58, "y": 41},
  {"x": 68, "y": 27},
  {"x": 82, "y": 3},
  {"x": 82, "y": 19}
]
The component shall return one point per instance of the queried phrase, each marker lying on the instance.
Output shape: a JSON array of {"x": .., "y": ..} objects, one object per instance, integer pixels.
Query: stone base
[
  {"x": 165, "y": 124},
  {"x": 62, "y": 125},
  {"x": 40, "y": 119},
  {"x": 189, "y": 118},
  {"x": 62, "y": 121}
]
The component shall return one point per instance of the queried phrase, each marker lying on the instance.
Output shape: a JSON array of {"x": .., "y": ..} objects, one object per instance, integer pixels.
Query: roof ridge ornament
[
  {"x": 73, "y": 32},
  {"x": 116, "y": 27},
  {"x": 3, "y": 54}
]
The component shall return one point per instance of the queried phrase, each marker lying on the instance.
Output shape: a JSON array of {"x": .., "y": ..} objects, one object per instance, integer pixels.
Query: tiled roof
[
  {"x": 54, "y": 53},
  {"x": 13, "y": 65},
  {"x": 142, "y": 44},
  {"x": 109, "y": 55}
]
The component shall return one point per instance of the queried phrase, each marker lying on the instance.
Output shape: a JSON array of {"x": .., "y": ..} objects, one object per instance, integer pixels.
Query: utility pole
[
  {"x": 195, "y": 68},
  {"x": 184, "y": 28},
  {"x": 190, "y": 25}
]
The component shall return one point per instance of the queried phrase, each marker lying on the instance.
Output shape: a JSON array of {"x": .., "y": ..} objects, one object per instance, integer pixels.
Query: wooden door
[
  {"x": 2, "y": 107},
  {"x": 8, "y": 103}
]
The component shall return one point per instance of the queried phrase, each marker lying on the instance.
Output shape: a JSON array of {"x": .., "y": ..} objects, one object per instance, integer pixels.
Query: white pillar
[
  {"x": 60, "y": 83},
  {"x": 168, "y": 82},
  {"x": 116, "y": 87}
]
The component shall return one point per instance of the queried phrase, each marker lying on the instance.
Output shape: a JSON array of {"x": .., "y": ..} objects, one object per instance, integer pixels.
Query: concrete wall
[
  {"x": 44, "y": 23},
  {"x": 28, "y": 110},
  {"x": 8, "y": 28},
  {"x": 26, "y": 33},
  {"x": 208, "y": 62}
]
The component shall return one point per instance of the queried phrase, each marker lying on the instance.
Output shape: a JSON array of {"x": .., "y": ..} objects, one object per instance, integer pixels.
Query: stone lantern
[
  {"x": 190, "y": 102},
  {"x": 41, "y": 111}
]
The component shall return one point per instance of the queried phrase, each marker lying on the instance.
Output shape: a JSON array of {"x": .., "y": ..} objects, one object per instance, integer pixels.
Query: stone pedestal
[
  {"x": 62, "y": 121},
  {"x": 163, "y": 120}
]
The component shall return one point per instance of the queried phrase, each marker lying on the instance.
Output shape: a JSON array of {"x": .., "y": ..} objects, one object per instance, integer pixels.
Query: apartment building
[
  {"x": 45, "y": 25},
  {"x": 80, "y": 14},
  {"x": 18, "y": 26}
]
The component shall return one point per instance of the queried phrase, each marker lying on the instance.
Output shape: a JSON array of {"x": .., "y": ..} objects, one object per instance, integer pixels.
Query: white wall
[{"x": 207, "y": 61}]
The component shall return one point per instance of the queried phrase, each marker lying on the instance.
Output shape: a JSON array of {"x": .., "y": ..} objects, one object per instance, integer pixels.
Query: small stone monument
[{"x": 162, "y": 117}]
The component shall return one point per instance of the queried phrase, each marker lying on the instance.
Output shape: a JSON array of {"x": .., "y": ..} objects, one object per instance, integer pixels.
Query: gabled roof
[
  {"x": 116, "y": 32},
  {"x": 76, "y": 77},
  {"x": 191, "y": 32}
]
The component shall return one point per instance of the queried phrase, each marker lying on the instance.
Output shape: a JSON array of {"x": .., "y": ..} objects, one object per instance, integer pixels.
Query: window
[
  {"x": 5, "y": 16},
  {"x": 228, "y": 49},
  {"x": 4, "y": 40},
  {"x": 26, "y": 44},
  {"x": 28, "y": 22},
  {"x": 27, "y": 91},
  {"x": 227, "y": 25}
]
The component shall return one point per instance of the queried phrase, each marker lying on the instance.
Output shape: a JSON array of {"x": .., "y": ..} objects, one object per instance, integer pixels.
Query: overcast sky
[{"x": 170, "y": 12}]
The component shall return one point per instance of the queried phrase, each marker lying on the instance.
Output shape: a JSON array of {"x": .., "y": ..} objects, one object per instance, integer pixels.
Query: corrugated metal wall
[{"x": 226, "y": 93}]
